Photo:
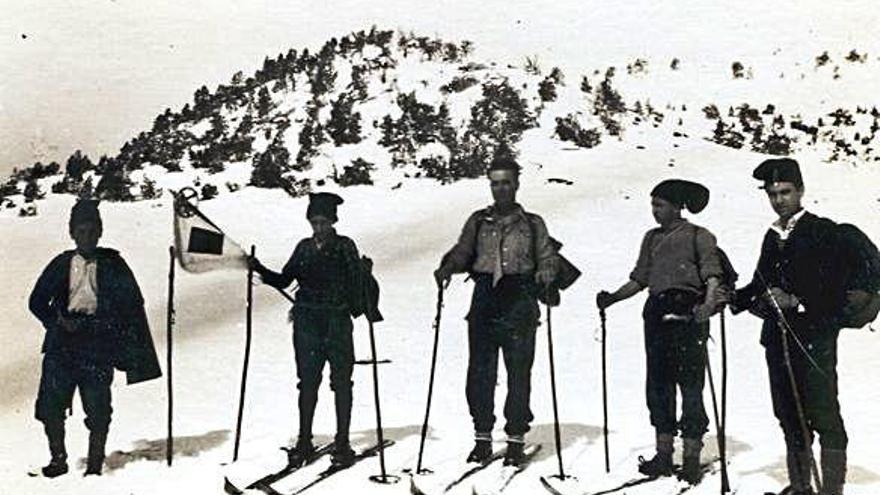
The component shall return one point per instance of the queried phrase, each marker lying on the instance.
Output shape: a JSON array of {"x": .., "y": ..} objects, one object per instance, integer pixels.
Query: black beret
[
  {"x": 684, "y": 193},
  {"x": 323, "y": 204},
  {"x": 779, "y": 170}
]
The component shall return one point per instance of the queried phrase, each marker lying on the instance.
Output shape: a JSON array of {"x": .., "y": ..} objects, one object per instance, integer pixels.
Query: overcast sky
[{"x": 92, "y": 74}]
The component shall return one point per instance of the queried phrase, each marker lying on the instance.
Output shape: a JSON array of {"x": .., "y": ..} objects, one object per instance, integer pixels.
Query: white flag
[{"x": 200, "y": 245}]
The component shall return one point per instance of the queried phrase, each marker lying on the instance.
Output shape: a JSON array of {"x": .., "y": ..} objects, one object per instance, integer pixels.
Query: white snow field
[{"x": 601, "y": 218}]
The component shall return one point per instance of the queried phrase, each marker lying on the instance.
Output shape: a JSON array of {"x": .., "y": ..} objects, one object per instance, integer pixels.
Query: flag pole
[
  {"x": 247, "y": 353},
  {"x": 169, "y": 326}
]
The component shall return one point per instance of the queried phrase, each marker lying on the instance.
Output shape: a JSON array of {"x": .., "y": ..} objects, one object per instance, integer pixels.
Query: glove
[
  {"x": 255, "y": 265},
  {"x": 604, "y": 299},
  {"x": 442, "y": 276},
  {"x": 544, "y": 277},
  {"x": 784, "y": 299}
]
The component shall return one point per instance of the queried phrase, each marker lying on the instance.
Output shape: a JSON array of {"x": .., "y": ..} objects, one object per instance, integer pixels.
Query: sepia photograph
[{"x": 451, "y": 247}]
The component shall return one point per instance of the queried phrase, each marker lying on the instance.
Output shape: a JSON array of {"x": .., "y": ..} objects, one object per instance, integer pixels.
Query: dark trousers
[
  {"x": 502, "y": 318},
  {"x": 817, "y": 389},
  {"x": 676, "y": 357},
  {"x": 63, "y": 373},
  {"x": 321, "y": 336}
]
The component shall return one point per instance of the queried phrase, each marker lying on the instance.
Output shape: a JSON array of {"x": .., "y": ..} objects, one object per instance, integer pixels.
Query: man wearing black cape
[{"x": 92, "y": 309}]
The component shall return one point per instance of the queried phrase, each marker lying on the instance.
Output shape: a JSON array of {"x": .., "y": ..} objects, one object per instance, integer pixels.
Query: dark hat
[
  {"x": 85, "y": 210},
  {"x": 323, "y": 204},
  {"x": 779, "y": 170},
  {"x": 684, "y": 193}
]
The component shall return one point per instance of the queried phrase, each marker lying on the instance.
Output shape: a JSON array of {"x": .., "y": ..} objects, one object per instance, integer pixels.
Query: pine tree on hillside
[
  {"x": 344, "y": 125},
  {"x": 33, "y": 191},
  {"x": 270, "y": 165},
  {"x": 264, "y": 102},
  {"x": 115, "y": 184}
]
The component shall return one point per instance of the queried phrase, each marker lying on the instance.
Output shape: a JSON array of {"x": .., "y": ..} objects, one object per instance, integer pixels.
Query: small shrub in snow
[
  {"x": 149, "y": 189},
  {"x": 726, "y": 135},
  {"x": 711, "y": 112},
  {"x": 209, "y": 191},
  {"x": 458, "y": 84},
  {"x": 357, "y": 173},
  {"x": 608, "y": 104},
  {"x": 9, "y": 188},
  {"x": 547, "y": 89},
  {"x": 569, "y": 129},
  {"x": 28, "y": 211},
  {"x": 233, "y": 186},
  {"x": 436, "y": 167},
  {"x": 33, "y": 191}
]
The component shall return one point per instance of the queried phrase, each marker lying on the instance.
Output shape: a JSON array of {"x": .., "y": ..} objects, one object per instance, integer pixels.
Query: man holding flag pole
[{"x": 331, "y": 279}]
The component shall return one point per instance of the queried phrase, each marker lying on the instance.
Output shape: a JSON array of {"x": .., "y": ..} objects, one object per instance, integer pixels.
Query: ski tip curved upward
[{"x": 229, "y": 488}]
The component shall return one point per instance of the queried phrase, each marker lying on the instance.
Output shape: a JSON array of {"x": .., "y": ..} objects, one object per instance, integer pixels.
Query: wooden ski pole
[
  {"x": 719, "y": 427},
  {"x": 169, "y": 331},
  {"x": 604, "y": 392},
  {"x": 383, "y": 476},
  {"x": 424, "y": 433},
  {"x": 725, "y": 480},
  {"x": 247, "y": 353},
  {"x": 556, "y": 429}
]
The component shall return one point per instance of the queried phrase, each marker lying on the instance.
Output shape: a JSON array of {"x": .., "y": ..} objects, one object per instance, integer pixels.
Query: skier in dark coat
[
  {"x": 92, "y": 309},
  {"x": 679, "y": 264},
  {"x": 333, "y": 286},
  {"x": 509, "y": 254},
  {"x": 800, "y": 274}
]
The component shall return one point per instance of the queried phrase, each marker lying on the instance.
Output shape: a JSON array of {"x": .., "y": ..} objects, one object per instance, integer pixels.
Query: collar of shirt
[
  {"x": 516, "y": 213},
  {"x": 83, "y": 285},
  {"x": 674, "y": 225},
  {"x": 784, "y": 230}
]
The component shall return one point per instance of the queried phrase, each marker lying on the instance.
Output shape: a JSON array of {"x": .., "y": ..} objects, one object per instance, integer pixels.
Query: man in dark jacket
[
  {"x": 92, "y": 309},
  {"x": 510, "y": 256},
  {"x": 334, "y": 285},
  {"x": 679, "y": 264},
  {"x": 799, "y": 290}
]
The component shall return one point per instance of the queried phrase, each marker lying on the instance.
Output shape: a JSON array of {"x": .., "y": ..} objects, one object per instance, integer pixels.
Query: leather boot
[
  {"x": 515, "y": 450},
  {"x": 661, "y": 463},
  {"x": 482, "y": 450},
  {"x": 833, "y": 471},
  {"x": 58, "y": 462},
  {"x": 799, "y": 465},
  {"x": 691, "y": 470},
  {"x": 95, "y": 461}
]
